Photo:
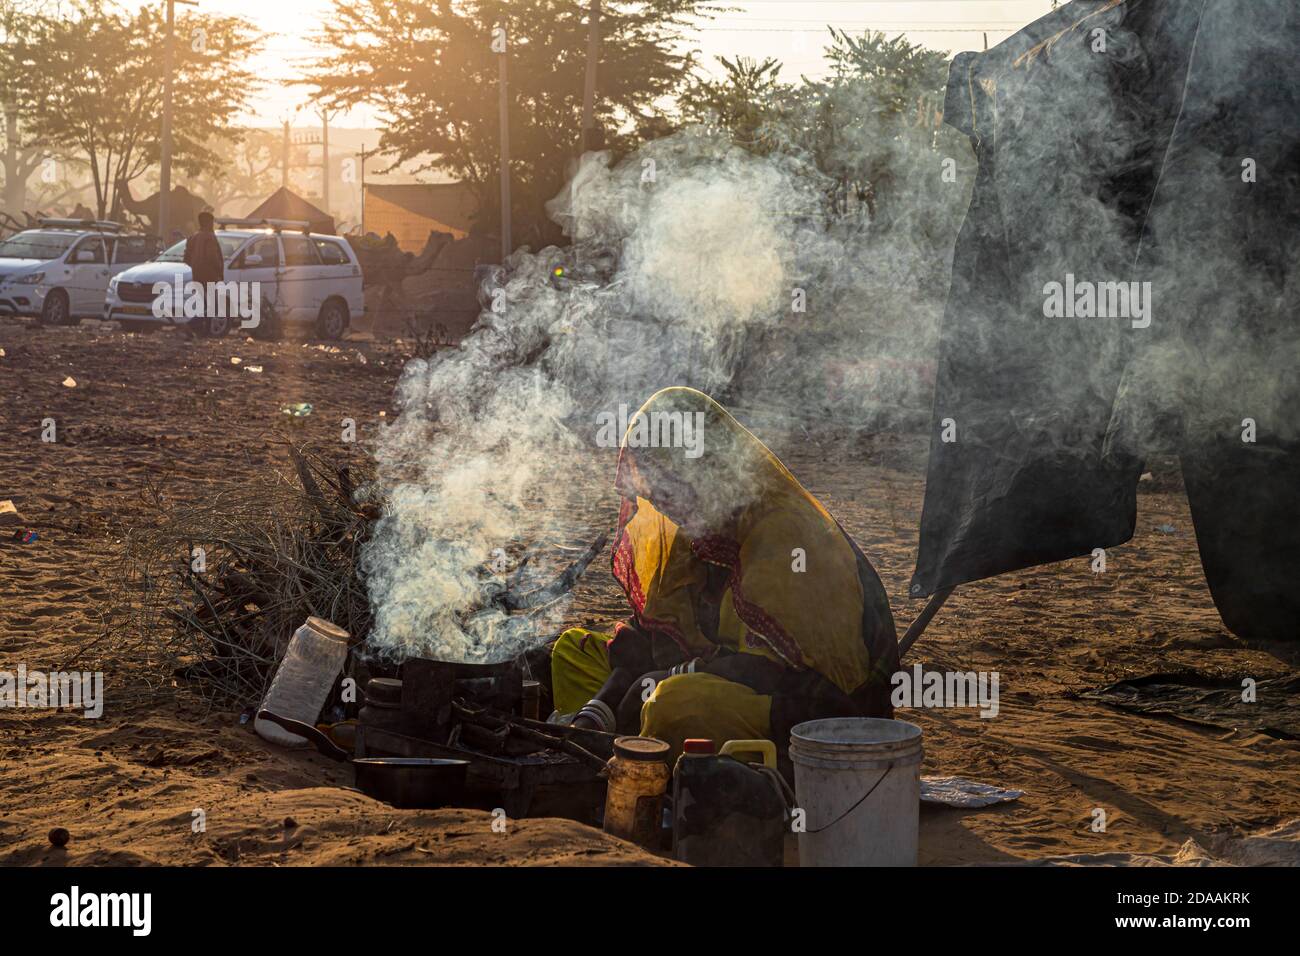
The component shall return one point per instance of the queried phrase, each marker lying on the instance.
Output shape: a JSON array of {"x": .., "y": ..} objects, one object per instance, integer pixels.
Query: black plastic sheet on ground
[{"x": 1211, "y": 701}]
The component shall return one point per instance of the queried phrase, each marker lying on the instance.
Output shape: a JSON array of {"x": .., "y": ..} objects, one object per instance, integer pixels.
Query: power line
[
  {"x": 909, "y": 2},
  {"x": 828, "y": 26},
  {"x": 978, "y": 24},
  {"x": 748, "y": 18},
  {"x": 1005, "y": 27}
]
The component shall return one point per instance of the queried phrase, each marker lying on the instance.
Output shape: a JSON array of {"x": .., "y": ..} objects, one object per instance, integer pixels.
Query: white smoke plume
[{"x": 679, "y": 253}]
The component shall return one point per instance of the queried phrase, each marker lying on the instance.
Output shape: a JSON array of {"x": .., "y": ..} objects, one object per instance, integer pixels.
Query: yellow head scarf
[{"x": 796, "y": 587}]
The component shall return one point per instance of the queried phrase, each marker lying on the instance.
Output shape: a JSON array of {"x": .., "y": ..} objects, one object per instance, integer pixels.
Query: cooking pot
[{"x": 405, "y": 782}]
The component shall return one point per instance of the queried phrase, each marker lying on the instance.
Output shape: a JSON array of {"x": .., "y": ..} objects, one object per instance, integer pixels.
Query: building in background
[{"x": 410, "y": 211}]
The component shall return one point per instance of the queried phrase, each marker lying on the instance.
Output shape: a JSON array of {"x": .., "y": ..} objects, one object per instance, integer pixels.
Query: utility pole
[
  {"x": 15, "y": 195},
  {"x": 165, "y": 150},
  {"x": 325, "y": 115},
  {"x": 589, "y": 88},
  {"x": 287, "y": 141},
  {"x": 363, "y": 154},
  {"x": 284, "y": 157},
  {"x": 503, "y": 86}
]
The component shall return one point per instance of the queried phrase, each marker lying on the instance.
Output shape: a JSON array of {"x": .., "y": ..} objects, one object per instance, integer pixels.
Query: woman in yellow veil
[{"x": 752, "y": 610}]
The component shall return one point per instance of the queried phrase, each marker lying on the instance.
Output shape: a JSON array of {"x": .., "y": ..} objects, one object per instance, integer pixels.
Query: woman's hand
[{"x": 609, "y": 696}]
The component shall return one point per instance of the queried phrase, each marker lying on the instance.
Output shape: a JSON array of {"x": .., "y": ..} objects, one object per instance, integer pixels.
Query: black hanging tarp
[{"x": 1124, "y": 285}]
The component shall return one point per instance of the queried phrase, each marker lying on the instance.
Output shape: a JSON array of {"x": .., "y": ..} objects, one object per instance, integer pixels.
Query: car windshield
[
  {"x": 176, "y": 253},
  {"x": 36, "y": 244}
]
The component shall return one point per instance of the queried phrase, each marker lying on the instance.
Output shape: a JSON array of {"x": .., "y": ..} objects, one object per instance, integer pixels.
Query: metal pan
[{"x": 406, "y": 782}]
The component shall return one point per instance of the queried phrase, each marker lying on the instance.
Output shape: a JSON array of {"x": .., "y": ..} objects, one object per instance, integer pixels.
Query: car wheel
[
  {"x": 333, "y": 320},
  {"x": 56, "y": 310},
  {"x": 143, "y": 327},
  {"x": 211, "y": 327}
]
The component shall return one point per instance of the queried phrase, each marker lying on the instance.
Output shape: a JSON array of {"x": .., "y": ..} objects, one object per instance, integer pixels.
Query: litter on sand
[
  {"x": 69, "y": 382},
  {"x": 966, "y": 794}
]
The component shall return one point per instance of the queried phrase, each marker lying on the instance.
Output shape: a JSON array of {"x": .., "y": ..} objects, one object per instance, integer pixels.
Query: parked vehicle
[
  {"x": 301, "y": 277},
  {"x": 58, "y": 273}
]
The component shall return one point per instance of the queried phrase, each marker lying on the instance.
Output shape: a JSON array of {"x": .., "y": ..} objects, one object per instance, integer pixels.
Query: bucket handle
[{"x": 857, "y": 803}]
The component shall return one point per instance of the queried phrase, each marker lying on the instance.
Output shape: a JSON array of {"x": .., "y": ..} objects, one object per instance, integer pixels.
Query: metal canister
[
  {"x": 634, "y": 799},
  {"x": 530, "y": 705},
  {"x": 381, "y": 710}
]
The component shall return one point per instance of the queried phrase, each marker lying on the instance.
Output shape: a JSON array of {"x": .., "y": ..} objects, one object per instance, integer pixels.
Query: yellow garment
[
  {"x": 704, "y": 705},
  {"x": 795, "y": 593},
  {"x": 579, "y": 668},
  {"x": 688, "y": 705}
]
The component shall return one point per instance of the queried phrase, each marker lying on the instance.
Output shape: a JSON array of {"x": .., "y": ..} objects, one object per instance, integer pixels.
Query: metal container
[
  {"x": 634, "y": 800},
  {"x": 412, "y": 782},
  {"x": 405, "y": 782},
  {"x": 381, "y": 710}
]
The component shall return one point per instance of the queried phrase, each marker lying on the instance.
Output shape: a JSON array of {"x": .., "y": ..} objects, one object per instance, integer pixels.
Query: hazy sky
[{"x": 794, "y": 31}]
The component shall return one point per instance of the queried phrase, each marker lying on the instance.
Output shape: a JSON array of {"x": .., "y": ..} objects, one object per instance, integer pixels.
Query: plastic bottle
[
  {"x": 634, "y": 799},
  {"x": 311, "y": 664},
  {"x": 725, "y": 813}
]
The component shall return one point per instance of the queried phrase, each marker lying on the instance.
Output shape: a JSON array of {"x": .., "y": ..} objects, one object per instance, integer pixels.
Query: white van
[
  {"x": 301, "y": 277},
  {"x": 58, "y": 273}
]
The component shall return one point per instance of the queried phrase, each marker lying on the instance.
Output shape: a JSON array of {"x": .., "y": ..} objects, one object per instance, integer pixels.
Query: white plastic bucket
[{"x": 858, "y": 781}]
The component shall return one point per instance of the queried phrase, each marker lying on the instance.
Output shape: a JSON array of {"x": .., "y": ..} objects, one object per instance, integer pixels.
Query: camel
[
  {"x": 383, "y": 263},
  {"x": 183, "y": 208}
]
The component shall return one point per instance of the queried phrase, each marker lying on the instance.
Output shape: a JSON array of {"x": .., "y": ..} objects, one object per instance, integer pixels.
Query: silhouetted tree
[
  {"x": 103, "y": 91},
  {"x": 430, "y": 68}
]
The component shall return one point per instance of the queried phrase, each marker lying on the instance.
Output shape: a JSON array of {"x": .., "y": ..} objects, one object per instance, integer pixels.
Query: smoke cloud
[{"x": 688, "y": 262}]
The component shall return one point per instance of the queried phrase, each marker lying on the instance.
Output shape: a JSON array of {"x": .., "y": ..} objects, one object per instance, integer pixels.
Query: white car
[
  {"x": 300, "y": 277},
  {"x": 58, "y": 273}
]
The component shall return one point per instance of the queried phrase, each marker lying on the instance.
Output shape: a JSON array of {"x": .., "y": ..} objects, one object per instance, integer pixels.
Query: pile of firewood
[{"x": 215, "y": 590}]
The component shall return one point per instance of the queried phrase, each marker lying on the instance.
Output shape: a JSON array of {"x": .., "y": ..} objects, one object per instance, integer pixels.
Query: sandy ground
[{"x": 166, "y": 409}]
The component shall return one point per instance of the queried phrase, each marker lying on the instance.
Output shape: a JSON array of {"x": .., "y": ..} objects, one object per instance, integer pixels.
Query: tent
[
  {"x": 410, "y": 211},
  {"x": 1124, "y": 285},
  {"x": 286, "y": 204}
]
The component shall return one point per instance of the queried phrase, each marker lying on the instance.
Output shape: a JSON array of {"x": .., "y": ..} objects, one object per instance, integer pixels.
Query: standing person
[{"x": 203, "y": 256}]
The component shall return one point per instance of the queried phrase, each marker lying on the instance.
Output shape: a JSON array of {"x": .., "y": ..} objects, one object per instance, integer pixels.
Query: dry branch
[{"x": 275, "y": 551}]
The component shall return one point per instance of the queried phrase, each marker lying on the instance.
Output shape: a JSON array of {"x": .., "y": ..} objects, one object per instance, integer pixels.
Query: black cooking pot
[
  {"x": 428, "y": 685},
  {"x": 423, "y": 783}
]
